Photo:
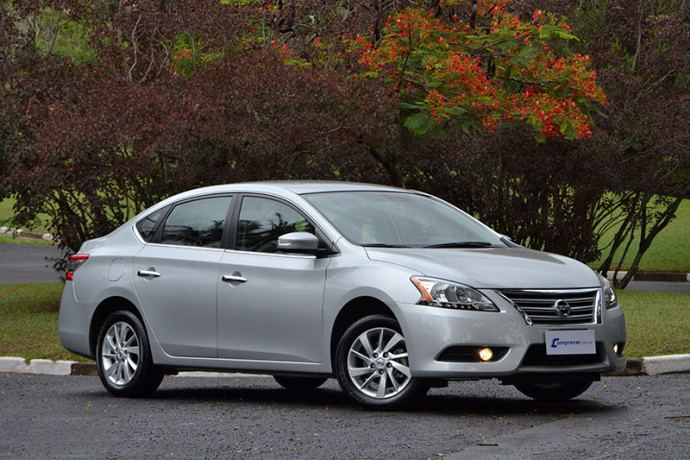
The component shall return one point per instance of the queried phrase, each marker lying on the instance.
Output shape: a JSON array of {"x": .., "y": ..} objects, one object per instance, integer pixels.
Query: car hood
[{"x": 504, "y": 268}]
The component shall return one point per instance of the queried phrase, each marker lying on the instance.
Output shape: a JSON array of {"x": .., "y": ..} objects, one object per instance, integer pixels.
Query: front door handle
[
  {"x": 148, "y": 274},
  {"x": 234, "y": 279}
]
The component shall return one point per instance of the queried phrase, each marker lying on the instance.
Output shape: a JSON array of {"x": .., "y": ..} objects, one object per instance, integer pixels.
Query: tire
[
  {"x": 372, "y": 365},
  {"x": 299, "y": 383},
  {"x": 123, "y": 357},
  {"x": 554, "y": 391}
]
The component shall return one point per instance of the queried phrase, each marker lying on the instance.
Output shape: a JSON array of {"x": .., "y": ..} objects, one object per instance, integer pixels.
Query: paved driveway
[{"x": 251, "y": 417}]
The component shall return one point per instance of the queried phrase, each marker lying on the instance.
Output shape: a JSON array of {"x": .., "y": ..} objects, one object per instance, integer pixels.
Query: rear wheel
[
  {"x": 299, "y": 383},
  {"x": 123, "y": 357},
  {"x": 554, "y": 391},
  {"x": 372, "y": 365}
]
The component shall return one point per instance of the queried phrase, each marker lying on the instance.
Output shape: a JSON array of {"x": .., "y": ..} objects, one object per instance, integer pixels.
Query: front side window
[
  {"x": 263, "y": 220},
  {"x": 197, "y": 223}
]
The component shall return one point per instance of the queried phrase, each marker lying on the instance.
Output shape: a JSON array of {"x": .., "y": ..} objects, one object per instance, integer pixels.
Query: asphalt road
[
  {"x": 26, "y": 263},
  {"x": 659, "y": 286},
  {"x": 251, "y": 417}
]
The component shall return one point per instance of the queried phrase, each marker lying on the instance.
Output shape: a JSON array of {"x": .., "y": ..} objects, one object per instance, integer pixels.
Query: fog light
[
  {"x": 485, "y": 354},
  {"x": 615, "y": 348}
]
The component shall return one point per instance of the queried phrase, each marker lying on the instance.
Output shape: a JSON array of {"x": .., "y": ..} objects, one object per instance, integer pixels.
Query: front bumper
[{"x": 430, "y": 332}]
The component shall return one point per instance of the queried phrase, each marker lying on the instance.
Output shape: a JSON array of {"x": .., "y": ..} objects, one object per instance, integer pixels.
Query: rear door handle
[
  {"x": 234, "y": 279},
  {"x": 148, "y": 274}
]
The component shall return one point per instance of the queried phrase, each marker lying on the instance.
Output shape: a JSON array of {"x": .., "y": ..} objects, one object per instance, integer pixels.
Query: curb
[
  {"x": 15, "y": 365},
  {"x": 655, "y": 365},
  {"x": 26, "y": 234}
]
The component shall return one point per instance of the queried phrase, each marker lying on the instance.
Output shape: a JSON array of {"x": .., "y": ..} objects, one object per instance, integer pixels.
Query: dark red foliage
[{"x": 94, "y": 143}]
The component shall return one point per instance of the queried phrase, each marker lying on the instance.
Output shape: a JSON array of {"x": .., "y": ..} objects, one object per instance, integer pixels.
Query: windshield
[{"x": 399, "y": 219}]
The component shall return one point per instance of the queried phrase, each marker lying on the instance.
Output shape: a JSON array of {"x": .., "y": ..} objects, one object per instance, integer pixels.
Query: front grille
[
  {"x": 536, "y": 356},
  {"x": 541, "y": 305}
]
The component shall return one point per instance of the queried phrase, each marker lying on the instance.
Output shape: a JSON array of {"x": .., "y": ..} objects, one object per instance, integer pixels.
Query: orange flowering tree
[{"x": 504, "y": 71}]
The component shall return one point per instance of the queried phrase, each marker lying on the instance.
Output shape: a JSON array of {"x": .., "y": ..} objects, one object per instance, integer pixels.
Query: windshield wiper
[
  {"x": 383, "y": 245},
  {"x": 462, "y": 244}
]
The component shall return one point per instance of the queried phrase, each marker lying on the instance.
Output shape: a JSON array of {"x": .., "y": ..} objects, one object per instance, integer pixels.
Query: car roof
[
  {"x": 303, "y": 187},
  {"x": 296, "y": 187},
  {"x": 275, "y": 188}
]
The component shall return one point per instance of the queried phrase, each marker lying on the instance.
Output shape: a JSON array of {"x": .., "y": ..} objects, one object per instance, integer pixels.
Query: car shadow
[
  {"x": 502, "y": 406},
  {"x": 439, "y": 402}
]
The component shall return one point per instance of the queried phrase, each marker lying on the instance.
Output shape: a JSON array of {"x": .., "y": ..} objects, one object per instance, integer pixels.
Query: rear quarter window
[{"x": 148, "y": 225}]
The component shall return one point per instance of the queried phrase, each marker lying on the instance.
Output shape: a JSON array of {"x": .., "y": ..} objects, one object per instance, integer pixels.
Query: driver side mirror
[{"x": 298, "y": 243}]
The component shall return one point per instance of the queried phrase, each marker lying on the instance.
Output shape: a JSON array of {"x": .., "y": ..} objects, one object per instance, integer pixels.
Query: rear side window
[
  {"x": 197, "y": 223},
  {"x": 148, "y": 225}
]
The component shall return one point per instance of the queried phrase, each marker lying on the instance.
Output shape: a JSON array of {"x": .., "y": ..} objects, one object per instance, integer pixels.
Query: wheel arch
[
  {"x": 104, "y": 309},
  {"x": 354, "y": 310}
]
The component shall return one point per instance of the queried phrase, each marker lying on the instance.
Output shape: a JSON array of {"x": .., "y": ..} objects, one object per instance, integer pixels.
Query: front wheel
[
  {"x": 553, "y": 391},
  {"x": 372, "y": 364},
  {"x": 123, "y": 357}
]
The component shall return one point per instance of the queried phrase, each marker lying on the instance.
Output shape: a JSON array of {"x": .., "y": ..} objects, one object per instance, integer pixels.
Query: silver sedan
[{"x": 391, "y": 291}]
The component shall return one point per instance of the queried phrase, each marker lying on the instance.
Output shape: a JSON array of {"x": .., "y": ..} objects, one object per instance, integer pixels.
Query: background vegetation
[
  {"x": 669, "y": 253},
  {"x": 107, "y": 106}
]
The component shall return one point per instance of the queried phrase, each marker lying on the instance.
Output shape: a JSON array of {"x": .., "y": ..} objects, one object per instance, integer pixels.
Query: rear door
[{"x": 176, "y": 276}]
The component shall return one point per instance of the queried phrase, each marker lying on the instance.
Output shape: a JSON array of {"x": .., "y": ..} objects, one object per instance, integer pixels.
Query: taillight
[{"x": 73, "y": 263}]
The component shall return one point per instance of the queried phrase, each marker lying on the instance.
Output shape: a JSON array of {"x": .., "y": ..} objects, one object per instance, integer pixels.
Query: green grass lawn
[
  {"x": 670, "y": 250},
  {"x": 29, "y": 321},
  {"x": 6, "y": 214},
  {"x": 6, "y": 211},
  {"x": 658, "y": 323},
  {"x": 9, "y": 239}
]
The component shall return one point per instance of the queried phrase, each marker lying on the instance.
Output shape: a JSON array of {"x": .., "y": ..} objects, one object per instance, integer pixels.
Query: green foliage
[
  {"x": 59, "y": 34},
  {"x": 419, "y": 124},
  {"x": 191, "y": 53}
]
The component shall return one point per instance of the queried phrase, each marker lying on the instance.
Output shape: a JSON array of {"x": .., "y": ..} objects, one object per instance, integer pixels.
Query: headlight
[
  {"x": 447, "y": 294},
  {"x": 610, "y": 299}
]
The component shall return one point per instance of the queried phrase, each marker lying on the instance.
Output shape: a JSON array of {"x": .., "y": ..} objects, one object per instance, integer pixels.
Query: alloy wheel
[
  {"x": 377, "y": 363},
  {"x": 120, "y": 353}
]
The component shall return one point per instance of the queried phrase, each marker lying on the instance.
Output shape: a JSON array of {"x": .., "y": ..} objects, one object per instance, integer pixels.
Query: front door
[{"x": 270, "y": 305}]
